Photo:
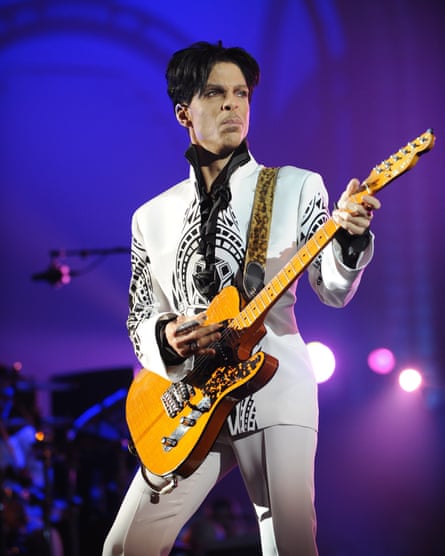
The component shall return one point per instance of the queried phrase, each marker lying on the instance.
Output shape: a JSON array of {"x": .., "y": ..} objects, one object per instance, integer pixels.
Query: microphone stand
[{"x": 59, "y": 274}]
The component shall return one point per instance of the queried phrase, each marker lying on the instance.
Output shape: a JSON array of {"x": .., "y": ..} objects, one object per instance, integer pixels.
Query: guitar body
[{"x": 175, "y": 438}]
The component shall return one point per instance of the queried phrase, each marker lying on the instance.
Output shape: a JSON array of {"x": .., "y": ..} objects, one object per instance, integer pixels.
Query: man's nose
[{"x": 229, "y": 103}]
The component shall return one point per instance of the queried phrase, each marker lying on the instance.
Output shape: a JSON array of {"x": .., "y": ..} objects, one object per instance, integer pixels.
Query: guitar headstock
[{"x": 398, "y": 163}]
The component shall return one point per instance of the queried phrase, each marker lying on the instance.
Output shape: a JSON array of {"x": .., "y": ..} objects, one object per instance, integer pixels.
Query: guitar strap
[{"x": 259, "y": 231}]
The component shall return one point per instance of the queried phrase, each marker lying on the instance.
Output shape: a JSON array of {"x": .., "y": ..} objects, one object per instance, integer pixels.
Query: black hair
[{"x": 188, "y": 69}]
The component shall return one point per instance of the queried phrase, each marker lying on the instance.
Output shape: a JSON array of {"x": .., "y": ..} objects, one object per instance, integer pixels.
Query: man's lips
[{"x": 232, "y": 122}]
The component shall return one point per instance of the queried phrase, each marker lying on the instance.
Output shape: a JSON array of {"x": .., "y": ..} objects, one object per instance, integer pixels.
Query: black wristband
[
  {"x": 352, "y": 245},
  {"x": 168, "y": 354}
]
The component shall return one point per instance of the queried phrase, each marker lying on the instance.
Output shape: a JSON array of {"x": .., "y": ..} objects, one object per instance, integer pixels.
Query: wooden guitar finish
[{"x": 174, "y": 425}]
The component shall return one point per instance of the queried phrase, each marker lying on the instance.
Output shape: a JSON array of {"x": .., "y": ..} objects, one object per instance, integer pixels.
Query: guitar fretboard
[{"x": 271, "y": 292}]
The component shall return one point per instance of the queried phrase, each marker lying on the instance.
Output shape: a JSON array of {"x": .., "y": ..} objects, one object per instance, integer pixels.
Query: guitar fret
[
  {"x": 260, "y": 299},
  {"x": 241, "y": 320},
  {"x": 270, "y": 290},
  {"x": 312, "y": 248},
  {"x": 289, "y": 269},
  {"x": 268, "y": 297},
  {"x": 314, "y": 240},
  {"x": 304, "y": 254},
  {"x": 250, "y": 314},
  {"x": 278, "y": 278},
  {"x": 276, "y": 285}
]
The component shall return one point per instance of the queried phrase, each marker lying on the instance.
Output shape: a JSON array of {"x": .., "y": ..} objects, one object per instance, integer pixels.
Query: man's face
[{"x": 218, "y": 119}]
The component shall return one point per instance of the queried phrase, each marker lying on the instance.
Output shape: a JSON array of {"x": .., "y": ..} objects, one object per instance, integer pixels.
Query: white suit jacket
[{"x": 165, "y": 233}]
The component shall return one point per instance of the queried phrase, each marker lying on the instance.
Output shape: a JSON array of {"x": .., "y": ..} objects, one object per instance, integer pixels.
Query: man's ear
[{"x": 182, "y": 115}]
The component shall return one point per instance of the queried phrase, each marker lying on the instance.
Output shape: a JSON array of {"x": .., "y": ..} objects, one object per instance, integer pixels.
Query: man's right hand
[{"x": 191, "y": 336}]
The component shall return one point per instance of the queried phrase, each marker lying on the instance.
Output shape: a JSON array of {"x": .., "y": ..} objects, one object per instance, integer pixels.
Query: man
[{"x": 189, "y": 243}]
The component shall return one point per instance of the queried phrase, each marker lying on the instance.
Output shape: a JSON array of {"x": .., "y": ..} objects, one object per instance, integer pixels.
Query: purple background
[{"x": 87, "y": 134}]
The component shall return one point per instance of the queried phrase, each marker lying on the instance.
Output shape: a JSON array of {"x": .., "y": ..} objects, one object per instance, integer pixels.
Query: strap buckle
[{"x": 171, "y": 483}]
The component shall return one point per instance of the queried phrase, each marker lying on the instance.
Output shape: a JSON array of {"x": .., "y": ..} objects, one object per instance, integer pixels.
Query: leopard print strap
[
  {"x": 259, "y": 230},
  {"x": 261, "y": 216}
]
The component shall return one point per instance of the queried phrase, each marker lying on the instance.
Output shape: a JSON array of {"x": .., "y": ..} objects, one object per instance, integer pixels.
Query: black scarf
[{"x": 207, "y": 280}]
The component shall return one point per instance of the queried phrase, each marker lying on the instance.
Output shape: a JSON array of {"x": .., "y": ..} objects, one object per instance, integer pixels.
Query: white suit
[{"x": 282, "y": 416}]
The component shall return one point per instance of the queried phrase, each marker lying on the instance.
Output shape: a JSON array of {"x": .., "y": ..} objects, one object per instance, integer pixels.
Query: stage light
[
  {"x": 410, "y": 380},
  {"x": 323, "y": 361},
  {"x": 381, "y": 361}
]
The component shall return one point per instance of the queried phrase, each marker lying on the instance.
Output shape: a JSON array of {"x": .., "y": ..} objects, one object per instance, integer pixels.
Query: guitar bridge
[
  {"x": 176, "y": 396},
  {"x": 186, "y": 422}
]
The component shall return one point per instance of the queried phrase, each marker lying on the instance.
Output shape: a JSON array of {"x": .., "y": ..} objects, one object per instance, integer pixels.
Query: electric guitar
[{"x": 174, "y": 425}]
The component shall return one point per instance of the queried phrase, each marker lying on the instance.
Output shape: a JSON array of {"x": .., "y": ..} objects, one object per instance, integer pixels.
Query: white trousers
[{"x": 277, "y": 466}]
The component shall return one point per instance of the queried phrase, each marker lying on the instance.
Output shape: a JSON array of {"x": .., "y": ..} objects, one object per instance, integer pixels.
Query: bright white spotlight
[
  {"x": 323, "y": 361},
  {"x": 381, "y": 361},
  {"x": 410, "y": 380}
]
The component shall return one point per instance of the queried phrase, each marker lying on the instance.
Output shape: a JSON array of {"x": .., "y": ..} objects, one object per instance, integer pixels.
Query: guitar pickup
[{"x": 188, "y": 422}]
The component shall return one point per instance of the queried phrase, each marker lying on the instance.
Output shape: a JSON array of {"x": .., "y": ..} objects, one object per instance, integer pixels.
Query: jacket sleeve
[
  {"x": 147, "y": 305},
  {"x": 333, "y": 281}
]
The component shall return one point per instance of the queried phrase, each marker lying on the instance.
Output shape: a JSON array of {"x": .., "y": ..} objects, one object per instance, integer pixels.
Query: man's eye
[{"x": 243, "y": 93}]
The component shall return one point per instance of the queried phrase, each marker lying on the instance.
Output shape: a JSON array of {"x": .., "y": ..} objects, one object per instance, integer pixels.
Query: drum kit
[{"x": 55, "y": 485}]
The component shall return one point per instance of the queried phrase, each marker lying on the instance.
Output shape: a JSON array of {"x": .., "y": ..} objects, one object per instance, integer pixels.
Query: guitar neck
[
  {"x": 380, "y": 176},
  {"x": 272, "y": 291}
]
